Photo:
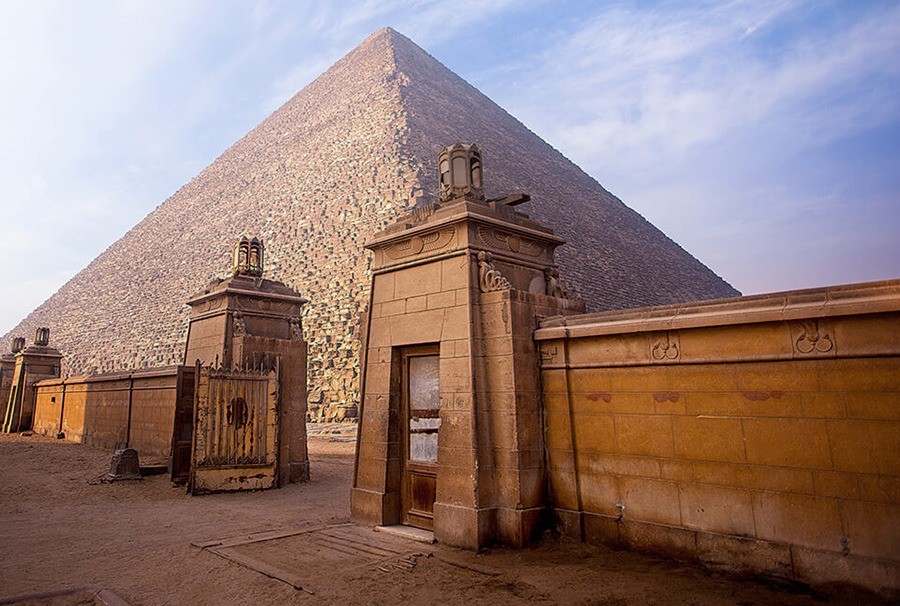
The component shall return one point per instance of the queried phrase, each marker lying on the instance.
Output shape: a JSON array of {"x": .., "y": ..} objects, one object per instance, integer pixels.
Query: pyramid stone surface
[{"x": 340, "y": 160}]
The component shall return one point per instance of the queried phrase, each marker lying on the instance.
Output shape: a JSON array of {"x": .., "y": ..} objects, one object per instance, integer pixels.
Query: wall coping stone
[
  {"x": 830, "y": 301},
  {"x": 143, "y": 373}
]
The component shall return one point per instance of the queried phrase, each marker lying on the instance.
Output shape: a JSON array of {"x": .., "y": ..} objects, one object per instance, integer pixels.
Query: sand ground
[{"x": 61, "y": 529}]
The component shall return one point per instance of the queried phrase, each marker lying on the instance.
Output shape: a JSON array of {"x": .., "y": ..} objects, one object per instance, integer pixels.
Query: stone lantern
[
  {"x": 42, "y": 337},
  {"x": 461, "y": 173},
  {"x": 248, "y": 257},
  {"x": 18, "y": 344}
]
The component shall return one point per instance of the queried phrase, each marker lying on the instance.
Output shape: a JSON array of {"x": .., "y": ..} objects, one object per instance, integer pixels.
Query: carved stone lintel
[
  {"x": 489, "y": 278},
  {"x": 239, "y": 327},
  {"x": 502, "y": 240},
  {"x": 665, "y": 348},
  {"x": 555, "y": 286},
  {"x": 813, "y": 339}
]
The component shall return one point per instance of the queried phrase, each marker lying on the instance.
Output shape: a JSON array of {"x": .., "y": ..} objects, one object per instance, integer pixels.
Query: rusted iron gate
[{"x": 235, "y": 441}]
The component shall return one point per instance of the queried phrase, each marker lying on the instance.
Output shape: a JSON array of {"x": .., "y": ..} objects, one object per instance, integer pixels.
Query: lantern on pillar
[
  {"x": 248, "y": 257},
  {"x": 460, "y": 171},
  {"x": 42, "y": 336}
]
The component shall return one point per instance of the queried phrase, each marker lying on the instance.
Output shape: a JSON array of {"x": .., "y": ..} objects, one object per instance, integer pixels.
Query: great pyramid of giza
[{"x": 314, "y": 180}]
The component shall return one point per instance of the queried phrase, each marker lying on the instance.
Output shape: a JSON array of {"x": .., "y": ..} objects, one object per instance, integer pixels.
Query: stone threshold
[{"x": 408, "y": 532}]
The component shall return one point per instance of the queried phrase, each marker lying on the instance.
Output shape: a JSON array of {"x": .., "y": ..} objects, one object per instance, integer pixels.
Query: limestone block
[
  {"x": 801, "y": 520},
  {"x": 717, "y": 509},
  {"x": 709, "y": 438},
  {"x": 787, "y": 442},
  {"x": 650, "y": 500},
  {"x": 865, "y": 446},
  {"x": 644, "y": 435}
]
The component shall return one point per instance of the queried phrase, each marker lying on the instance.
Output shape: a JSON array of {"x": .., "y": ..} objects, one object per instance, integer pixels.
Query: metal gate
[{"x": 235, "y": 444}]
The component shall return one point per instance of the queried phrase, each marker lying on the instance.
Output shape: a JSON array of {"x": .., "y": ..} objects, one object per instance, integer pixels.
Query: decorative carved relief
[
  {"x": 418, "y": 244},
  {"x": 252, "y": 304},
  {"x": 812, "y": 339},
  {"x": 246, "y": 303},
  {"x": 296, "y": 330},
  {"x": 666, "y": 348},
  {"x": 496, "y": 238},
  {"x": 209, "y": 305},
  {"x": 281, "y": 306},
  {"x": 549, "y": 353},
  {"x": 238, "y": 326},
  {"x": 489, "y": 278},
  {"x": 555, "y": 287}
]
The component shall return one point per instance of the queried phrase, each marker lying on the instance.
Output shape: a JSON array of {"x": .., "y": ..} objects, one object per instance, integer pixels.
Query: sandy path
[{"x": 59, "y": 531}]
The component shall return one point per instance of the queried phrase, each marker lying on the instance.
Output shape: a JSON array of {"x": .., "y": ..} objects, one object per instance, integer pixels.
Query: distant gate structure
[{"x": 235, "y": 445}]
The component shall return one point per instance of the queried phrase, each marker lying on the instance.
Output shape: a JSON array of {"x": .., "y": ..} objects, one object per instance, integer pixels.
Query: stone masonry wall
[
  {"x": 94, "y": 410},
  {"x": 756, "y": 435}
]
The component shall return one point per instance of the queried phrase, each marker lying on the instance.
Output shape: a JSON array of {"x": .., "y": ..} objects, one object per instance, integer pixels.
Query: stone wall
[
  {"x": 757, "y": 434},
  {"x": 94, "y": 410}
]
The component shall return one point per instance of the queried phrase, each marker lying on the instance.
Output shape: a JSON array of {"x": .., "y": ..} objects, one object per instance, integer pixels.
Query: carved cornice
[
  {"x": 508, "y": 241},
  {"x": 794, "y": 306},
  {"x": 421, "y": 243}
]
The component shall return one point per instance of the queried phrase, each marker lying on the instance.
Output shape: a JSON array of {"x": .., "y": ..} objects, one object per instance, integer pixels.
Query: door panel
[{"x": 421, "y": 424}]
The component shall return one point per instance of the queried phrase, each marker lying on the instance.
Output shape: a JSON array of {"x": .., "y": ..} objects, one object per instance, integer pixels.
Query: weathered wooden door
[
  {"x": 235, "y": 445},
  {"x": 183, "y": 428},
  {"x": 421, "y": 405}
]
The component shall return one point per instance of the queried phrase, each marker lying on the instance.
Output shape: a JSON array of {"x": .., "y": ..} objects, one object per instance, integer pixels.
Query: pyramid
[{"x": 339, "y": 161}]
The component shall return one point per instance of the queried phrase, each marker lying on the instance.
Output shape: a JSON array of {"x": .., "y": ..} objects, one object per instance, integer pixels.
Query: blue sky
[{"x": 763, "y": 136}]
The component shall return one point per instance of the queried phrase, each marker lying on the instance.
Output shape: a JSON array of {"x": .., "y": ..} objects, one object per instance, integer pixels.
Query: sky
[{"x": 762, "y": 135}]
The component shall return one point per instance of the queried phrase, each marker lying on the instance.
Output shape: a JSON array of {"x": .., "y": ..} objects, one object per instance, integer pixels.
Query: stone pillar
[
  {"x": 7, "y": 369},
  {"x": 34, "y": 363},
  {"x": 469, "y": 276},
  {"x": 246, "y": 320}
]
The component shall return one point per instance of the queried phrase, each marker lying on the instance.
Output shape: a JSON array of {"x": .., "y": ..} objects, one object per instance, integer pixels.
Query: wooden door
[
  {"x": 183, "y": 429},
  {"x": 420, "y": 418}
]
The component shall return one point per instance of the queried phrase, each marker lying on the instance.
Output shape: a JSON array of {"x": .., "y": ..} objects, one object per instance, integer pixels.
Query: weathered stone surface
[
  {"x": 341, "y": 160},
  {"x": 124, "y": 465}
]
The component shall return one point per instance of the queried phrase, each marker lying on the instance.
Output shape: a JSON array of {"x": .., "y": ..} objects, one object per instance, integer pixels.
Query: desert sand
[{"x": 62, "y": 529}]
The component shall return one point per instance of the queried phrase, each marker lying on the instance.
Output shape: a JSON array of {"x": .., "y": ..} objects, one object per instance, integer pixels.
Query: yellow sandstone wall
[
  {"x": 759, "y": 434},
  {"x": 94, "y": 409}
]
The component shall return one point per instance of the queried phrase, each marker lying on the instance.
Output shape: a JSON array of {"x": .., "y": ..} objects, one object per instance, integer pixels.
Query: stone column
[
  {"x": 34, "y": 363},
  {"x": 7, "y": 369}
]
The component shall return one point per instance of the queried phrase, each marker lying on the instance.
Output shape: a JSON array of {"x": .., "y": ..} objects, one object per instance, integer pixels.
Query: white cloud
[{"x": 698, "y": 117}]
